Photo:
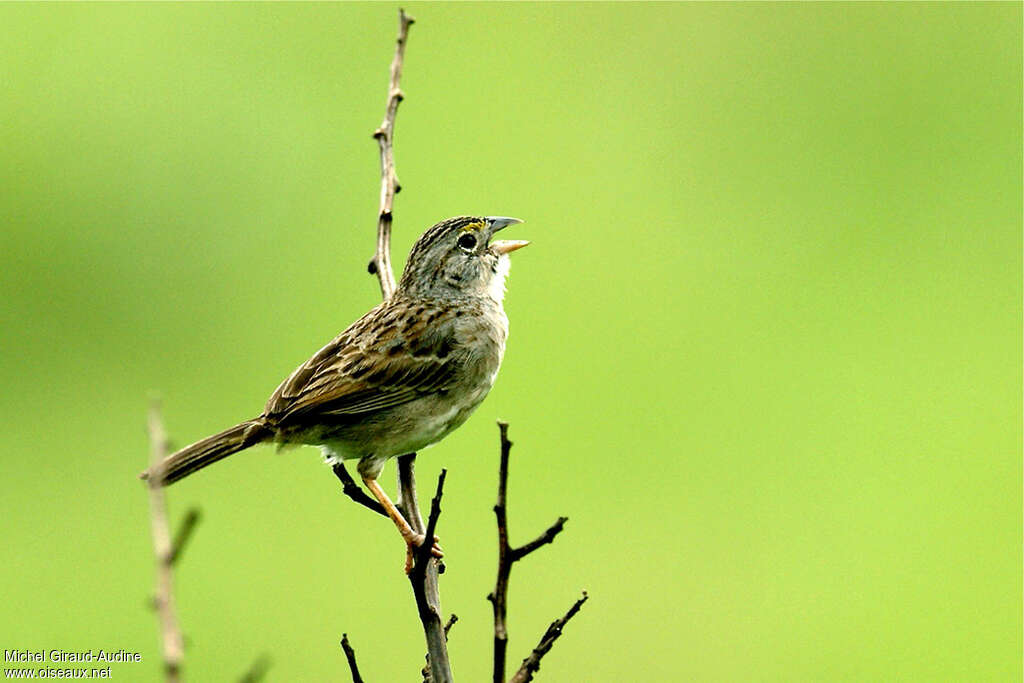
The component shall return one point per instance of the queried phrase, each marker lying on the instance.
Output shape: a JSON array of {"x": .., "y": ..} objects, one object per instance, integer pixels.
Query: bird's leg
[{"x": 412, "y": 539}]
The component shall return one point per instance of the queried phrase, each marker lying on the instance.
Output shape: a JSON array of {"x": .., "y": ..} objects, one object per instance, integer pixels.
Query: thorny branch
[
  {"x": 424, "y": 573},
  {"x": 507, "y": 556},
  {"x": 423, "y": 576},
  {"x": 389, "y": 186},
  {"x": 170, "y": 633}
]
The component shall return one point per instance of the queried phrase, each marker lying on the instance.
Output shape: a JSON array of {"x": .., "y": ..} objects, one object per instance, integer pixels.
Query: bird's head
[{"x": 456, "y": 258}]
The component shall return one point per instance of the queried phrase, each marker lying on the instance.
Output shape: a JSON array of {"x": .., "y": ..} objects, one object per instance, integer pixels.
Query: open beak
[{"x": 504, "y": 246}]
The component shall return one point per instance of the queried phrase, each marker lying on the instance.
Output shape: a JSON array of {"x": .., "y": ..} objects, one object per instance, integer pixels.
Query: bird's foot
[{"x": 413, "y": 543}]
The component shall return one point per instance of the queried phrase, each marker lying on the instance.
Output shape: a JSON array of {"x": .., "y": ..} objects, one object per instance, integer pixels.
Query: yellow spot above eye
[{"x": 473, "y": 227}]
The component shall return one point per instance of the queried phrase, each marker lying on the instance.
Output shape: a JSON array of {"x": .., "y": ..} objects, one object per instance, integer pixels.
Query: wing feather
[{"x": 385, "y": 359}]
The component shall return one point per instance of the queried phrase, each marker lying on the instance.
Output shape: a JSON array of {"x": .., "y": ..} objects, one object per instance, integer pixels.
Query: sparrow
[{"x": 398, "y": 379}]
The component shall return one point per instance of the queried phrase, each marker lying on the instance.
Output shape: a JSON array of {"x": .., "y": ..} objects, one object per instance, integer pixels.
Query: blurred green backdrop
[{"x": 765, "y": 350}]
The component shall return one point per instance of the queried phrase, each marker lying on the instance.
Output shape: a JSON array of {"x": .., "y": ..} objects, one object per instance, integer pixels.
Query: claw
[{"x": 416, "y": 541}]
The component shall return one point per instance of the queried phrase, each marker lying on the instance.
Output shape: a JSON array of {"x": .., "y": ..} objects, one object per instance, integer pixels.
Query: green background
[{"x": 765, "y": 348}]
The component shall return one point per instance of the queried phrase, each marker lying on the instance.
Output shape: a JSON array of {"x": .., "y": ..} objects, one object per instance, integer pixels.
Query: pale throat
[{"x": 496, "y": 287}]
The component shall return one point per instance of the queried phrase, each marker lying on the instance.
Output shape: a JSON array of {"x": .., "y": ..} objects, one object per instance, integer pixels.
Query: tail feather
[{"x": 208, "y": 451}]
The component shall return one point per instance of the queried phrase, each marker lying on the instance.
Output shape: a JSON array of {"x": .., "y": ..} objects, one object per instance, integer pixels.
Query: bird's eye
[{"x": 467, "y": 241}]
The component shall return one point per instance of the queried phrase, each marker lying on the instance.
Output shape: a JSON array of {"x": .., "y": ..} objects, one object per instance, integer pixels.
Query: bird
[{"x": 398, "y": 379}]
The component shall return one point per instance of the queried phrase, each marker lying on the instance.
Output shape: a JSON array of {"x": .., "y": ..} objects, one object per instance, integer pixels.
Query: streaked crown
[{"x": 455, "y": 258}]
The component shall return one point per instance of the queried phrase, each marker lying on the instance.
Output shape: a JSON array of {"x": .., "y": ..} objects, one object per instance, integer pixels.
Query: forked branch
[
  {"x": 168, "y": 553},
  {"x": 507, "y": 556}
]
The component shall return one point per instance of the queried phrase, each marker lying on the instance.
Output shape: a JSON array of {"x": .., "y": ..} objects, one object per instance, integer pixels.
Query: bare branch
[
  {"x": 385, "y": 135},
  {"x": 170, "y": 633},
  {"x": 423, "y": 578},
  {"x": 423, "y": 554},
  {"x": 351, "y": 489},
  {"x": 185, "y": 529},
  {"x": 498, "y": 597},
  {"x": 350, "y": 655},
  {"x": 532, "y": 663},
  {"x": 507, "y": 556}
]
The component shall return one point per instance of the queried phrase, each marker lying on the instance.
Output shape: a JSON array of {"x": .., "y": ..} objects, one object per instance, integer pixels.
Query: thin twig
[
  {"x": 423, "y": 553},
  {"x": 170, "y": 633},
  {"x": 547, "y": 537},
  {"x": 350, "y": 655},
  {"x": 185, "y": 529},
  {"x": 448, "y": 625},
  {"x": 257, "y": 671},
  {"x": 507, "y": 556},
  {"x": 532, "y": 663},
  {"x": 389, "y": 186},
  {"x": 423, "y": 578},
  {"x": 499, "y": 596},
  {"x": 351, "y": 489}
]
